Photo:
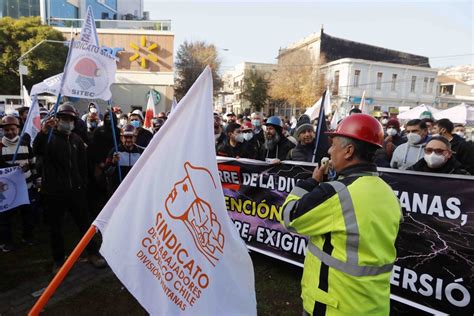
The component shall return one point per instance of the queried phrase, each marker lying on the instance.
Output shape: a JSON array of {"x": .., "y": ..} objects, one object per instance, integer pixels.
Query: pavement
[{"x": 19, "y": 300}]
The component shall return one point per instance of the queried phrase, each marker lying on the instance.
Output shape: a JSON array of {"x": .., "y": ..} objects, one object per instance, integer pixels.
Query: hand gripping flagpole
[
  {"x": 113, "y": 126},
  {"x": 24, "y": 129},
  {"x": 59, "y": 277}
]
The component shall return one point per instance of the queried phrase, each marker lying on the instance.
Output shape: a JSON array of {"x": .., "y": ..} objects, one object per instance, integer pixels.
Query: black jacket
[
  {"x": 241, "y": 150},
  {"x": 463, "y": 152},
  {"x": 102, "y": 142},
  {"x": 63, "y": 161},
  {"x": 302, "y": 152},
  {"x": 144, "y": 137},
  {"x": 130, "y": 158},
  {"x": 452, "y": 166},
  {"x": 280, "y": 151}
]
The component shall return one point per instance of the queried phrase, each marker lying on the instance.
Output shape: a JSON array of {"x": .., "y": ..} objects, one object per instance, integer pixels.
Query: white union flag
[{"x": 166, "y": 231}]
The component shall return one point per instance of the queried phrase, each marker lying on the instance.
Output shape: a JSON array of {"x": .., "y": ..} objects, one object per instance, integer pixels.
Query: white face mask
[
  {"x": 384, "y": 121},
  {"x": 123, "y": 122},
  {"x": 93, "y": 110},
  {"x": 247, "y": 136},
  {"x": 434, "y": 161},
  {"x": 414, "y": 138},
  {"x": 460, "y": 134},
  {"x": 391, "y": 131},
  {"x": 239, "y": 138},
  {"x": 65, "y": 127}
]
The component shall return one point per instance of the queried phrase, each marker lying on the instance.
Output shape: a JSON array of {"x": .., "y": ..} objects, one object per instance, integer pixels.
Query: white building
[
  {"x": 230, "y": 97},
  {"x": 387, "y": 86}
]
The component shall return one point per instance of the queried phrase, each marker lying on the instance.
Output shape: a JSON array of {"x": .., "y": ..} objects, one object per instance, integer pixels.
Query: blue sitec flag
[{"x": 13, "y": 189}]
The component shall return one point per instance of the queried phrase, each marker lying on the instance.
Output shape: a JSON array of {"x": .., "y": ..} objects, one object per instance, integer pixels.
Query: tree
[
  {"x": 16, "y": 38},
  {"x": 255, "y": 90},
  {"x": 191, "y": 59},
  {"x": 297, "y": 79}
]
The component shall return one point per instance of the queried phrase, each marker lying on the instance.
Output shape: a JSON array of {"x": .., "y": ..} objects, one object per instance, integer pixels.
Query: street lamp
[{"x": 23, "y": 70}]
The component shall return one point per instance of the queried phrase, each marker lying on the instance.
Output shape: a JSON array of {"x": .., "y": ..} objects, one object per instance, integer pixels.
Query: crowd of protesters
[
  {"x": 73, "y": 166},
  {"x": 420, "y": 144}
]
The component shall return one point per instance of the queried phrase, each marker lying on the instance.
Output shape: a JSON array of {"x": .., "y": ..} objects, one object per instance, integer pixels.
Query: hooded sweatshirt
[{"x": 406, "y": 155}]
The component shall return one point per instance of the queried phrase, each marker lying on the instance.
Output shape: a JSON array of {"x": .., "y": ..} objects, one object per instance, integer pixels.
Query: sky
[{"x": 254, "y": 31}]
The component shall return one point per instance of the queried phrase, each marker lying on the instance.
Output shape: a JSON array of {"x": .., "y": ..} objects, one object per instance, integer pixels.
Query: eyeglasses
[{"x": 437, "y": 151}]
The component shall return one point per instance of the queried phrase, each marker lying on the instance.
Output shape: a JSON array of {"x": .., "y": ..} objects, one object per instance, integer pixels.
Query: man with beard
[
  {"x": 276, "y": 146},
  {"x": 305, "y": 135}
]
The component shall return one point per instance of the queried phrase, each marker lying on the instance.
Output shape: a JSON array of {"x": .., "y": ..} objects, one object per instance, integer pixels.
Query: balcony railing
[{"x": 156, "y": 25}]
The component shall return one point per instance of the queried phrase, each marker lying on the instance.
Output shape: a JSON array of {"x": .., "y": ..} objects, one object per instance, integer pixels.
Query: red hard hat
[{"x": 361, "y": 127}]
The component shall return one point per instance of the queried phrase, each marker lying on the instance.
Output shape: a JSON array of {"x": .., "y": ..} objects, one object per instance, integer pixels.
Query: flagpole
[
  {"x": 23, "y": 130},
  {"x": 113, "y": 125},
  {"x": 321, "y": 110},
  {"x": 55, "y": 109},
  {"x": 59, "y": 277}
]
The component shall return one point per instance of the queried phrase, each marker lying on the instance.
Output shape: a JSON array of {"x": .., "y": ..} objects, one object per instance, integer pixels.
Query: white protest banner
[
  {"x": 50, "y": 85},
  {"x": 33, "y": 121},
  {"x": 88, "y": 31},
  {"x": 90, "y": 72},
  {"x": 26, "y": 97},
  {"x": 166, "y": 232},
  {"x": 174, "y": 104},
  {"x": 13, "y": 189}
]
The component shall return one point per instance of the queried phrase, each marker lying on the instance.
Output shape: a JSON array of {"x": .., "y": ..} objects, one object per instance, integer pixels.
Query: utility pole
[{"x": 23, "y": 70}]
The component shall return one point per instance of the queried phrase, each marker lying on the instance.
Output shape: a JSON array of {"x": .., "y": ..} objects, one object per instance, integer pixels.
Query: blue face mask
[
  {"x": 135, "y": 124},
  {"x": 256, "y": 123}
]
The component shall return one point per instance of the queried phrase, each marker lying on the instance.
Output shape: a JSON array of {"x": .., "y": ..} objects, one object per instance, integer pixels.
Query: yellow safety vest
[{"x": 352, "y": 227}]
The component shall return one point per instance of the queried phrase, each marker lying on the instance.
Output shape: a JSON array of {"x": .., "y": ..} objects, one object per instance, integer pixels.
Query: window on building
[
  {"x": 356, "y": 78},
  {"x": 447, "y": 89},
  {"x": 394, "y": 82},
  {"x": 430, "y": 87},
  {"x": 335, "y": 84},
  {"x": 378, "y": 86},
  {"x": 425, "y": 85},
  {"x": 413, "y": 84}
]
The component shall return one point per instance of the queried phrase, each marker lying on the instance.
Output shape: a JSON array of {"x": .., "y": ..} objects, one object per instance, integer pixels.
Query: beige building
[
  {"x": 230, "y": 97},
  {"x": 144, "y": 62},
  {"x": 452, "y": 92}
]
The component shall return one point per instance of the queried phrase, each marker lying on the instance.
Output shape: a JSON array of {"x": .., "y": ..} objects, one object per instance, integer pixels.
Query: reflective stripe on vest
[
  {"x": 351, "y": 269},
  {"x": 352, "y": 230},
  {"x": 352, "y": 266},
  {"x": 299, "y": 192}
]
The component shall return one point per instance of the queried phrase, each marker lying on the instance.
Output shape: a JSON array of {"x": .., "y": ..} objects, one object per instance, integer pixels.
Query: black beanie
[{"x": 303, "y": 124}]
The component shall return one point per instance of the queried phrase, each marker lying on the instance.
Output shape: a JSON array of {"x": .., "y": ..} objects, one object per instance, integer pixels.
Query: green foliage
[
  {"x": 191, "y": 59},
  {"x": 16, "y": 38},
  {"x": 255, "y": 90}
]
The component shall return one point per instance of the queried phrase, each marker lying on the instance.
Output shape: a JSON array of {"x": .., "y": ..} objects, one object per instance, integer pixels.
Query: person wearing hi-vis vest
[{"x": 352, "y": 224}]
